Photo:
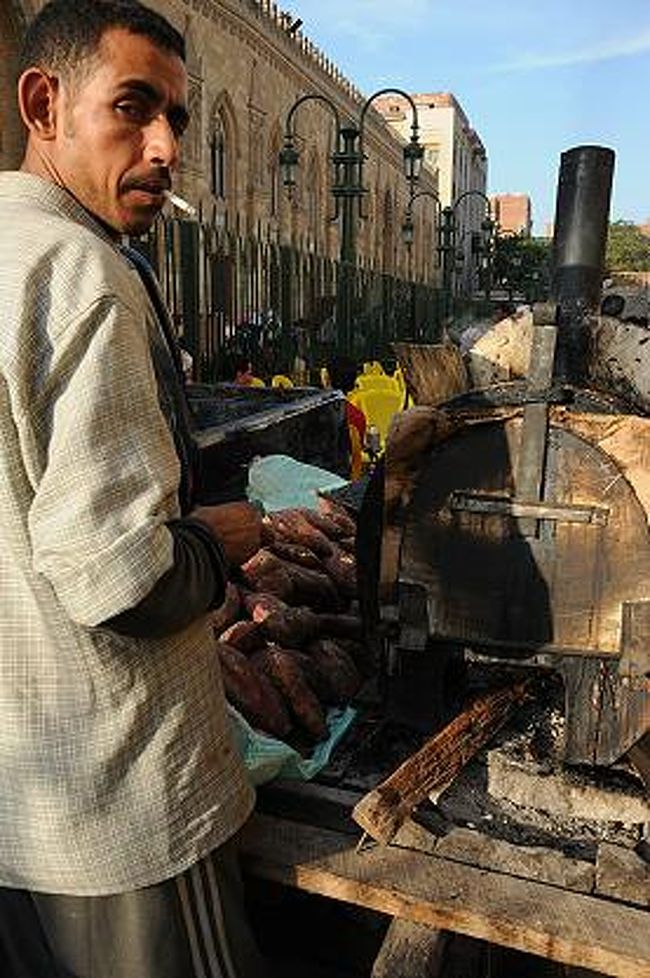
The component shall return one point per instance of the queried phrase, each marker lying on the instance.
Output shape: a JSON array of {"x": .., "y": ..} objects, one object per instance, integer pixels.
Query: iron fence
[{"x": 276, "y": 304}]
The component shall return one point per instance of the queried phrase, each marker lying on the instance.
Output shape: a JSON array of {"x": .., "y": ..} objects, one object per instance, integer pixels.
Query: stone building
[{"x": 247, "y": 64}]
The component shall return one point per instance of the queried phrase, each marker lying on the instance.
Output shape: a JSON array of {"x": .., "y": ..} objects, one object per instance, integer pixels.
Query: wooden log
[{"x": 381, "y": 812}]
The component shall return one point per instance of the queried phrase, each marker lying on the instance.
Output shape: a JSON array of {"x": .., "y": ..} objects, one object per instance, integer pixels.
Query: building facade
[{"x": 513, "y": 213}]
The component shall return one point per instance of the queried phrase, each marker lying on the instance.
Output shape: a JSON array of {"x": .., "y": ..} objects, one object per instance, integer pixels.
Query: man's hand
[{"x": 237, "y": 526}]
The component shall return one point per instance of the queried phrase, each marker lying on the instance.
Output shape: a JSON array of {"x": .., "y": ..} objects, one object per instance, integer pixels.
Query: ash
[{"x": 536, "y": 735}]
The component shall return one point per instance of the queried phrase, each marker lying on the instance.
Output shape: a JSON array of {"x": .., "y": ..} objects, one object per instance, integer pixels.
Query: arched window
[{"x": 218, "y": 161}]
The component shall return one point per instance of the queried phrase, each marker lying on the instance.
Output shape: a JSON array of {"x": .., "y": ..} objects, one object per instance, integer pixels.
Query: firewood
[{"x": 382, "y": 811}]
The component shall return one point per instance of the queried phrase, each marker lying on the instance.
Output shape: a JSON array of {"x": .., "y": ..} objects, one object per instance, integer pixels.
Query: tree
[
  {"x": 522, "y": 266},
  {"x": 628, "y": 249}
]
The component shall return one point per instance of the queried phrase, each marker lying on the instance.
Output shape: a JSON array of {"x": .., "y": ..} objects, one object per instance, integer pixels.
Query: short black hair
[
  {"x": 65, "y": 33},
  {"x": 232, "y": 363}
]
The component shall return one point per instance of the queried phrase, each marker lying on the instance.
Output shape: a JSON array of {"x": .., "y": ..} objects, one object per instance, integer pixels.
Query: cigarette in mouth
[{"x": 178, "y": 202}]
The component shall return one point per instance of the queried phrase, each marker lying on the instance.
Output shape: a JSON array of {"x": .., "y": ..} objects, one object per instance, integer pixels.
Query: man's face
[{"x": 118, "y": 130}]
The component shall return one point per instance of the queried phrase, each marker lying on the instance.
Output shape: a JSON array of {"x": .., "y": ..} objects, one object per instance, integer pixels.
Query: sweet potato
[
  {"x": 278, "y": 582},
  {"x": 286, "y": 671},
  {"x": 228, "y": 611},
  {"x": 259, "y": 604},
  {"x": 340, "y": 626},
  {"x": 313, "y": 588},
  {"x": 252, "y": 693},
  {"x": 261, "y": 563},
  {"x": 293, "y": 553},
  {"x": 327, "y": 526},
  {"x": 337, "y": 513},
  {"x": 337, "y": 675},
  {"x": 291, "y": 526},
  {"x": 291, "y": 628},
  {"x": 243, "y": 635},
  {"x": 342, "y": 568}
]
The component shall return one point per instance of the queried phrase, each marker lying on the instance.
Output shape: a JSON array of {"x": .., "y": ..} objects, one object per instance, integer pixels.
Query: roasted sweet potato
[
  {"x": 340, "y": 626},
  {"x": 327, "y": 526},
  {"x": 259, "y": 604},
  {"x": 261, "y": 563},
  {"x": 313, "y": 588},
  {"x": 252, "y": 693},
  {"x": 228, "y": 611},
  {"x": 337, "y": 513},
  {"x": 337, "y": 676},
  {"x": 243, "y": 635},
  {"x": 342, "y": 568},
  {"x": 291, "y": 526},
  {"x": 292, "y": 628},
  {"x": 293, "y": 553},
  {"x": 286, "y": 671},
  {"x": 278, "y": 582}
]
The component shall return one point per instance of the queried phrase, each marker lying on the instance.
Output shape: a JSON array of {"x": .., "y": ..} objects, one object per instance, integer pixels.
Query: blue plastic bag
[
  {"x": 266, "y": 757},
  {"x": 280, "y": 482}
]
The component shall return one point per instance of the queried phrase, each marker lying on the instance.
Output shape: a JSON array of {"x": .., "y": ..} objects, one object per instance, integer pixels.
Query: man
[
  {"x": 120, "y": 791},
  {"x": 237, "y": 368}
]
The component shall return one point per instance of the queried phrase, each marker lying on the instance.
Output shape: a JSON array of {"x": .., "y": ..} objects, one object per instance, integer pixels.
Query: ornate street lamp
[
  {"x": 348, "y": 190},
  {"x": 408, "y": 227},
  {"x": 448, "y": 245},
  {"x": 408, "y": 236}
]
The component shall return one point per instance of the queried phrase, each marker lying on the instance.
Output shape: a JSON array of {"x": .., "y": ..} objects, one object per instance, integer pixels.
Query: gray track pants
[{"x": 191, "y": 926}]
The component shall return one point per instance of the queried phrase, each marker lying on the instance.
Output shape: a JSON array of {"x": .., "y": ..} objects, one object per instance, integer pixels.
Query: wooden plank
[
  {"x": 527, "y": 862},
  {"x": 433, "y": 372},
  {"x": 381, "y": 812},
  {"x": 635, "y": 638},
  {"x": 410, "y": 949},
  {"x": 534, "y": 917},
  {"x": 540, "y": 369}
]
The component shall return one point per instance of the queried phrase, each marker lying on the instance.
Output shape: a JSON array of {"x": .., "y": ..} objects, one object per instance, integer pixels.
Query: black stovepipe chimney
[{"x": 579, "y": 241}]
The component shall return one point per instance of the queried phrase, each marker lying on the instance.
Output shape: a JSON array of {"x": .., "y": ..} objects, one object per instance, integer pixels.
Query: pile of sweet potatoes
[{"x": 288, "y": 644}]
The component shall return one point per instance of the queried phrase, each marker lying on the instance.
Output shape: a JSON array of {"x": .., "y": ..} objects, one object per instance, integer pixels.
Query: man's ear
[{"x": 37, "y": 101}]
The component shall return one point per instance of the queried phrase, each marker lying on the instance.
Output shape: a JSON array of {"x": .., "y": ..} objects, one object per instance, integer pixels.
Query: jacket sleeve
[{"x": 194, "y": 584}]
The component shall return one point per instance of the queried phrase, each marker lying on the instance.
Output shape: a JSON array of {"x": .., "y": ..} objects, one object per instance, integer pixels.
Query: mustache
[{"x": 157, "y": 181}]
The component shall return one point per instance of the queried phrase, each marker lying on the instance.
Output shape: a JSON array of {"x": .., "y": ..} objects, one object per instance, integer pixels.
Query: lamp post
[
  {"x": 448, "y": 243},
  {"x": 408, "y": 235},
  {"x": 347, "y": 188}
]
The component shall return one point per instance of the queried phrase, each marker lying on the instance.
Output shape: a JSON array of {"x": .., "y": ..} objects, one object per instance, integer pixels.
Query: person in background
[
  {"x": 236, "y": 368},
  {"x": 242, "y": 371},
  {"x": 187, "y": 363},
  {"x": 121, "y": 792},
  {"x": 342, "y": 373}
]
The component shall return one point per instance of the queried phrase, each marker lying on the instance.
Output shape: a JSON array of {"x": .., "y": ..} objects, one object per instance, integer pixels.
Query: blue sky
[{"x": 535, "y": 77}]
